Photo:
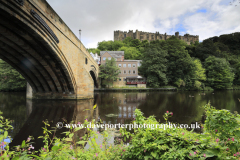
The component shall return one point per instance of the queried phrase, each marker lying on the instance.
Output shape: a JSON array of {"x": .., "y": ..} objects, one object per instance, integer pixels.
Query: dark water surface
[{"x": 113, "y": 107}]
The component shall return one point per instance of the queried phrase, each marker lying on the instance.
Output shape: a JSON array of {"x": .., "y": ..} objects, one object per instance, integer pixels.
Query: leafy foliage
[
  {"x": 218, "y": 72},
  {"x": 10, "y": 79},
  {"x": 219, "y": 140},
  {"x": 154, "y": 67},
  {"x": 109, "y": 72}
]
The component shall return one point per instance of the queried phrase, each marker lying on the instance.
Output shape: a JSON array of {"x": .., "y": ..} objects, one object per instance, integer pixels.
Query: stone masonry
[{"x": 121, "y": 35}]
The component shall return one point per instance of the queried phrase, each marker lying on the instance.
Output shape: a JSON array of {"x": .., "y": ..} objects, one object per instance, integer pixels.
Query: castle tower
[{"x": 177, "y": 34}]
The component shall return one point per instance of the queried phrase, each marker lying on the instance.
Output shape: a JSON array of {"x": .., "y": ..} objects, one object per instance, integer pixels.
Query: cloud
[{"x": 99, "y": 18}]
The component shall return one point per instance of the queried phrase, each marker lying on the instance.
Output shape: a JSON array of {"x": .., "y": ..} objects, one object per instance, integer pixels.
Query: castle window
[
  {"x": 124, "y": 35},
  {"x": 86, "y": 61}
]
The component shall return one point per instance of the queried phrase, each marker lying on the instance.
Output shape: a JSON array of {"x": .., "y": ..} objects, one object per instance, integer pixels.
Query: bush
[{"x": 219, "y": 140}]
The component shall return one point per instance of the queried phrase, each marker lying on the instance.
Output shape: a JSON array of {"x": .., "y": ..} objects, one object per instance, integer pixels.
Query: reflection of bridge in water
[
  {"x": 39, "y": 45},
  {"x": 54, "y": 112}
]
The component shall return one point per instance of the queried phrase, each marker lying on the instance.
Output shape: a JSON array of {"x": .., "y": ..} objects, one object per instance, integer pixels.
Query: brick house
[{"x": 128, "y": 69}]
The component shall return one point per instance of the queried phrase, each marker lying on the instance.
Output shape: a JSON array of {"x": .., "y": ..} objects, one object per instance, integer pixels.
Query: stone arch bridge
[{"x": 35, "y": 41}]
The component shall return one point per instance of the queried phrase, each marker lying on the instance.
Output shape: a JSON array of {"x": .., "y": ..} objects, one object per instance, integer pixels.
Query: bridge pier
[{"x": 86, "y": 91}]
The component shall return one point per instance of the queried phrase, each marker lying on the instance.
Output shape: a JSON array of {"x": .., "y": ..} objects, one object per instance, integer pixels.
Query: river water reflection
[{"x": 113, "y": 107}]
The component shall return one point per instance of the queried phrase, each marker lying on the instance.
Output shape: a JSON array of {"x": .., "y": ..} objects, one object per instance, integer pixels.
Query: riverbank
[{"x": 134, "y": 89}]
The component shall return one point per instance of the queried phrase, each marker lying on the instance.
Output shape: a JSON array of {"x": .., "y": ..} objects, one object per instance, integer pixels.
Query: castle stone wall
[{"x": 121, "y": 35}]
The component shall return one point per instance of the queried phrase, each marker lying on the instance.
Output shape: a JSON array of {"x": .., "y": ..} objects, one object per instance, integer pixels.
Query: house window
[
  {"x": 124, "y": 79},
  {"x": 129, "y": 72},
  {"x": 124, "y": 65},
  {"x": 134, "y": 65},
  {"x": 125, "y": 71},
  {"x": 129, "y": 65},
  {"x": 119, "y": 65},
  {"x": 119, "y": 79},
  {"x": 134, "y": 72},
  {"x": 109, "y": 58},
  {"x": 104, "y": 58}
]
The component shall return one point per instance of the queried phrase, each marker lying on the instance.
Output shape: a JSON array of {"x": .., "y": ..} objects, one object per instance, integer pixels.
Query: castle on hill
[{"x": 121, "y": 35}]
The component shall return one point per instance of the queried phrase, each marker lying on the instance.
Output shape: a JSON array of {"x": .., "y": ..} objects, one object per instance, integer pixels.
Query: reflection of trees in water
[
  {"x": 13, "y": 106},
  {"x": 184, "y": 108},
  {"x": 225, "y": 99}
]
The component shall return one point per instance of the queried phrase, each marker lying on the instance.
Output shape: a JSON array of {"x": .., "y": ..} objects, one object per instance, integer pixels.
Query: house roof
[
  {"x": 115, "y": 54},
  {"x": 135, "y": 77}
]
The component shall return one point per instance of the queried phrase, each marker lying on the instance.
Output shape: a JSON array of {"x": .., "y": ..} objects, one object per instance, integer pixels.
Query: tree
[
  {"x": 180, "y": 64},
  {"x": 237, "y": 74},
  {"x": 109, "y": 72},
  {"x": 218, "y": 71},
  {"x": 131, "y": 52},
  {"x": 154, "y": 67},
  {"x": 127, "y": 41},
  {"x": 94, "y": 50},
  {"x": 135, "y": 43},
  {"x": 10, "y": 79},
  {"x": 200, "y": 71},
  {"x": 110, "y": 45}
]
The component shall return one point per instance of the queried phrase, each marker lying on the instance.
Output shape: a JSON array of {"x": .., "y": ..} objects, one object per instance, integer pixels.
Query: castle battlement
[{"x": 141, "y": 35}]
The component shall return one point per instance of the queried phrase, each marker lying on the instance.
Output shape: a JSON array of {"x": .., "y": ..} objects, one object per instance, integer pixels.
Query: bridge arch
[
  {"x": 39, "y": 49},
  {"x": 94, "y": 77}
]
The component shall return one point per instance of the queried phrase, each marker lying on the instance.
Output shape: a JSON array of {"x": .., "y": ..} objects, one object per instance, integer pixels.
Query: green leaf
[
  {"x": 71, "y": 135},
  {"x": 154, "y": 154},
  {"x": 147, "y": 157},
  {"x": 5, "y": 134},
  {"x": 81, "y": 142},
  {"x": 237, "y": 133},
  {"x": 55, "y": 148},
  {"x": 211, "y": 152},
  {"x": 15, "y": 158},
  {"x": 68, "y": 139},
  {"x": 23, "y": 143}
]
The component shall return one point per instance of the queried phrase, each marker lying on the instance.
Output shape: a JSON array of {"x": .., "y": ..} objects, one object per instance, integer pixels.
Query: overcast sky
[{"x": 99, "y": 18}]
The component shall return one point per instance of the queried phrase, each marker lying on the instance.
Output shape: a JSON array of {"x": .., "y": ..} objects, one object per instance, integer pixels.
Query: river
[{"x": 112, "y": 107}]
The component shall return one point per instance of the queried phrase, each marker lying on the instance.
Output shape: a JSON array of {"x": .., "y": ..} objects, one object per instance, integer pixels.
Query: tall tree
[
  {"x": 200, "y": 71},
  {"x": 218, "y": 71},
  {"x": 180, "y": 64},
  {"x": 154, "y": 67},
  {"x": 109, "y": 72}
]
